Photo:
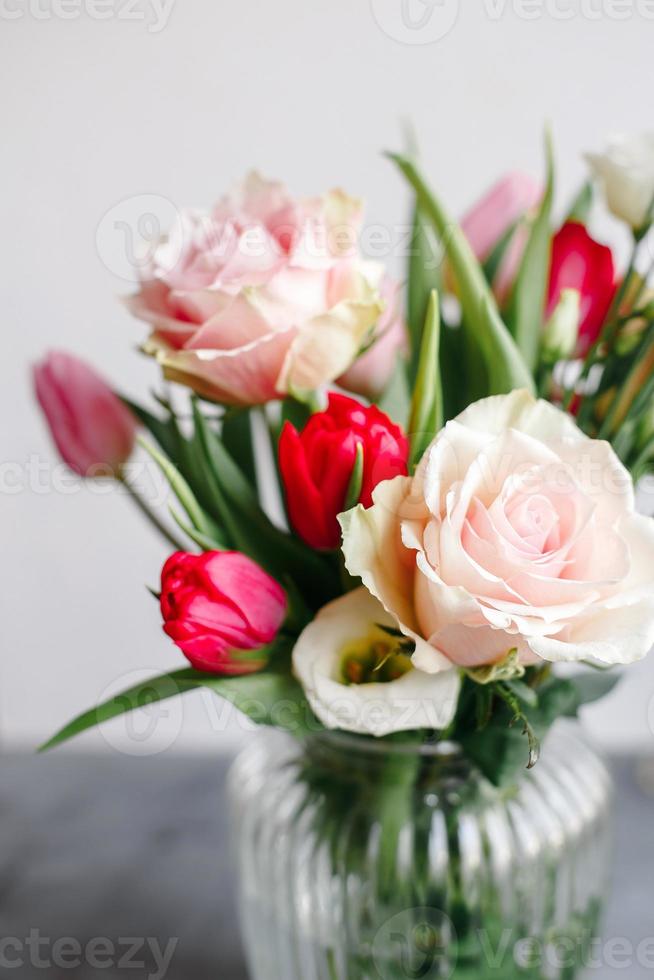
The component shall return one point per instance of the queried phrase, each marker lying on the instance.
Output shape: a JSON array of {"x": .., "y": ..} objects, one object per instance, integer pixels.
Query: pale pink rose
[
  {"x": 513, "y": 196},
  {"x": 93, "y": 431},
  {"x": 262, "y": 296},
  {"x": 518, "y": 532},
  {"x": 372, "y": 371}
]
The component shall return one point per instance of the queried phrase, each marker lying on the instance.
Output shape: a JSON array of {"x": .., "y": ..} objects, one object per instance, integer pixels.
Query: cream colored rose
[
  {"x": 518, "y": 533},
  {"x": 343, "y": 646},
  {"x": 263, "y": 296},
  {"x": 626, "y": 171}
]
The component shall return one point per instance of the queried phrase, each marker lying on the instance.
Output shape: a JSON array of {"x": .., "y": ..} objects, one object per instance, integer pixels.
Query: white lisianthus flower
[
  {"x": 358, "y": 677},
  {"x": 517, "y": 538},
  {"x": 626, "y": 172}
]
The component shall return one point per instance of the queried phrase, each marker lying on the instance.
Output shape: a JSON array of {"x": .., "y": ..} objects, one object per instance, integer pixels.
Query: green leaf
[
  {"x": 491, "y": 265},
  {"x": 427, "y": 404},
  {"x": 582, "y": 204},
  {"x": 160, "y": 429},
  {"x": 356, "y": 479},
  {"x": 182, "y": 491},
  {"x": 504, "y": 363},
  {"x": 236, "y": 432},
  {"x": 503, "y": 748},
  {"x": 295, "y": 412},
  {"x": 251, "y": 531},
  {"x": 182, "y": 452},
  {"x": 396, "y": 399},
  {"x": 268, "y": 698},
  {"x": 423, "y": 276},
  {"x": 593, "y": 685},
  {"x": 530, "y": 290},
  {"x": 523, "y": 692},
  {"x": 212, "y": 542}
]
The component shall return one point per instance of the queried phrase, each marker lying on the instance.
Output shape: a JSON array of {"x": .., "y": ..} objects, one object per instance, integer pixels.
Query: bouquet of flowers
[{"x": 456, "y": 465}]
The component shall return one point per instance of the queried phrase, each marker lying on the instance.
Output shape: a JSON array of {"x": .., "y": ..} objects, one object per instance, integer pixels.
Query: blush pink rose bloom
[
  {"x": 262, "y": 296},
  {"x": 93, "y": 431},
  {"x": 372, "y": 371},
  {"x": 518, "y": 532},
  {"x": 507, "y": 201}
]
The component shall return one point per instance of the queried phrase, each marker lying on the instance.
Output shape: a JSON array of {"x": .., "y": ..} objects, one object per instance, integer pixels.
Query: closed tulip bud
[
  {"x": 318, "y": 464},
  {"x": 220, "y": 608},
  {"x": 626, "y": 172},
  {"x": 562, "y": 328},
  {"x": 93, "y": 430}
]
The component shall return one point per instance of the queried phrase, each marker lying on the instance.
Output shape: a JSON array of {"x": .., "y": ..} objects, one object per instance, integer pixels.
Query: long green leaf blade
[
  {"x": 424, "y": 276},
  {"x": 251, "y": 530},
  {"x": 530, "y": 290},
  {"x": 269, "y": 698},
  {"x": 504, "y": 363},
  {"x": 427, "y": 405},
  {"x": 181, "y": 489}
]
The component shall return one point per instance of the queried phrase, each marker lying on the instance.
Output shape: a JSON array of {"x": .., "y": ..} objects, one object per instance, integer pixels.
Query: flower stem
[
  {"x": 611, "y": 326},
  {"x": 147, "y": 511}
]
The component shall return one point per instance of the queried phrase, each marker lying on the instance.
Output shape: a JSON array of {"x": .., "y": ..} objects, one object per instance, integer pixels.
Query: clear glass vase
[{"x": 360, "y": 860}]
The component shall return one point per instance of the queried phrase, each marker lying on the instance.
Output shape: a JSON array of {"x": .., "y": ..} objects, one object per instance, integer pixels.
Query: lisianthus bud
[
  {"x": 317, "y": 464},
  {"x": 626, "y": 171},
  {"x": 560, "y": 333},
  {"x": 219, "y": 605},
  {"x": 93, "y": 430}
]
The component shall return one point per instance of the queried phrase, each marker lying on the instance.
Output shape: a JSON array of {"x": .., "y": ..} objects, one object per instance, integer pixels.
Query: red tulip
[
  {"x": 317, "y": 464},
  {"x": 581, "y": 263},
  {"x": 91, "y": 427},
  {"x": 217, "y": 605}
]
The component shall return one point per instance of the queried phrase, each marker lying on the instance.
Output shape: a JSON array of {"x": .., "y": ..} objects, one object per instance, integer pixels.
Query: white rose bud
[
  {"x": 626, "y": 171},
  {"x": 562, "y": 328}
]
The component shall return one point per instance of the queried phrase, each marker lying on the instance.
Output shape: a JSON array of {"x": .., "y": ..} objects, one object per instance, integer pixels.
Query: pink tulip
[
  {"x": 91, "y": 427},
  {"x": 218, "y": 607},
  {"x": 506, "y": 202}
]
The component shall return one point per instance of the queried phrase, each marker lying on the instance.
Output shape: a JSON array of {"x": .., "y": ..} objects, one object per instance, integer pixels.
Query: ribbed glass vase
[{"x": 361, "y": 860}]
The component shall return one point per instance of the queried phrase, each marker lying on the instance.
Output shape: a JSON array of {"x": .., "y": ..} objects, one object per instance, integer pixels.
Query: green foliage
[
  {"x": 272, "y": 697},
  {"x": 501, "y": 725},
  {"x": 427, "y": 403},
  {"x": 530, "y": 289},
  {"x": 582, "y": 204},
  {"x": 236, "y": 434},
  {"x": 396, "y": 399},
  {"x": 424, "y": 275},
  {"x": 503, "y": 362},
  {"x": 223, "y": 506},
  {"x": 356, "y": 479}
]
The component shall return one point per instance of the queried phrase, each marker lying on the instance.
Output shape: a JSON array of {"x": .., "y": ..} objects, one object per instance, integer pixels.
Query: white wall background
[{"x": 98, "y": 111}]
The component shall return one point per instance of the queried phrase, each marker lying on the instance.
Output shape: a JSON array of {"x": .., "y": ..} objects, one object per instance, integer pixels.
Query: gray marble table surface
[{"x": 132, "y": 856}]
